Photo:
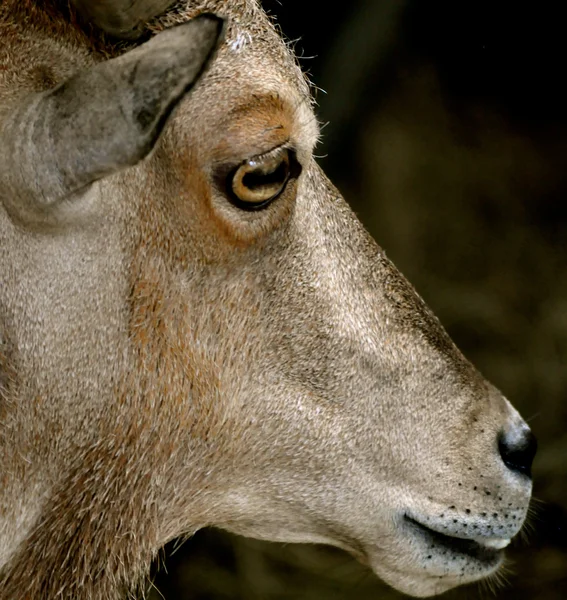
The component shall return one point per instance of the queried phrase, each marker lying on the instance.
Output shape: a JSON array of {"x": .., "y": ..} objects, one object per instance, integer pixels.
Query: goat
[{"x": 195, "y": 330}]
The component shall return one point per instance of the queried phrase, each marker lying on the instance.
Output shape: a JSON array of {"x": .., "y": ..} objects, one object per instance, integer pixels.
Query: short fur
[{"x": 169, "y": 361}]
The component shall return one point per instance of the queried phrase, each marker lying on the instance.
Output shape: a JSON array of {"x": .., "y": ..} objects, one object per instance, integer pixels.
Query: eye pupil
[{"x": 260, "y": 180}]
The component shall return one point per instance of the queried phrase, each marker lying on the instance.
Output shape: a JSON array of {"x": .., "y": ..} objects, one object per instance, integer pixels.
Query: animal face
[{"x": 199, "y": 331}]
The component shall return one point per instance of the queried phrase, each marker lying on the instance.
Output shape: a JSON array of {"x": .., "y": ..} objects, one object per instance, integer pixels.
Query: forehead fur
[{"x": 250, "y": 34}]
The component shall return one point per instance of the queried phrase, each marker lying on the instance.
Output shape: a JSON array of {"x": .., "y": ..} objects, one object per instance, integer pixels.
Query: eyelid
[
  {"x": 262, "y": 156},
  {"x": 221, "y": 170}
]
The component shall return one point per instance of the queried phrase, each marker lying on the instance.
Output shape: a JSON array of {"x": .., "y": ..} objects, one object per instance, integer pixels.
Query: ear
[
  {"x": 121, "y": 18},
  {"x": 101, "y": 120}
]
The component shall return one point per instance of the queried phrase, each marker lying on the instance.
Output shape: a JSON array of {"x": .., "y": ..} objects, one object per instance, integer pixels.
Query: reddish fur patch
[
  {"x": 255, "y": 126},
  {"x": 57, "y": 19},
  {"x": 173, "y": 379},
  {"x": 54, "y": 17}
]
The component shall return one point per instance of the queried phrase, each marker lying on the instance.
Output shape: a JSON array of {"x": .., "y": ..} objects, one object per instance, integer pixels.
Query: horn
[
  {"x": 101, "y": 120},
  {"x": 121, "y": 18}
]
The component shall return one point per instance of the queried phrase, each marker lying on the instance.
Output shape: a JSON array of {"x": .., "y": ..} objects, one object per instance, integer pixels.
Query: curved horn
[
  {"x": 121, "y": 18},
  {"x": 100, "y": 121}
]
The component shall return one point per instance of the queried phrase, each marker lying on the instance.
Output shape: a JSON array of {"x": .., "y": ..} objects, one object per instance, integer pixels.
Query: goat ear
[
  {"x": 101, "y": 120},
  {"x": 121, "y": 18}
]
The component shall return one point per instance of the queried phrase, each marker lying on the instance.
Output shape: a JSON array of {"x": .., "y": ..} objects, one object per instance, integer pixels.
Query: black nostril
[{"x": 518, "y": 450}]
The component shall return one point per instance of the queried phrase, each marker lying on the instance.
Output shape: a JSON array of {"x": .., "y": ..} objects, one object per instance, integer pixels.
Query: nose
[{"x": 517, "y": 448}]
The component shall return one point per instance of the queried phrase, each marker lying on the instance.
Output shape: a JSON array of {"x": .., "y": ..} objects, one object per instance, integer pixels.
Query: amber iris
[{"x": 260, "y": 180}]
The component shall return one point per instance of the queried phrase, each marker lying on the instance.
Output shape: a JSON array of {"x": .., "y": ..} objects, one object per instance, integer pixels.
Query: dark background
[{"x": 447, "y": 134}]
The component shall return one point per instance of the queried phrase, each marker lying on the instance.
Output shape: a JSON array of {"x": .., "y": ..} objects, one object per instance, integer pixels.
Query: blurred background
[{"x": 447, "y": 133}]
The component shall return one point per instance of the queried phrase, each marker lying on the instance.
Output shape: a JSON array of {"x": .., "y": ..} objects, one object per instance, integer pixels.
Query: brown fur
[{"x": 169, "y": 361}]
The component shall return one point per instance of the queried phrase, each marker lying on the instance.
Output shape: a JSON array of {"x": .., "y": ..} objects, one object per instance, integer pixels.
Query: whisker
[{"x": 534, "y": 416}]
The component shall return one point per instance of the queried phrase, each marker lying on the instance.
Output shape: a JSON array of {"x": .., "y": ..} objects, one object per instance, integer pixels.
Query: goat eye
[{"x": 260, "y": 180}]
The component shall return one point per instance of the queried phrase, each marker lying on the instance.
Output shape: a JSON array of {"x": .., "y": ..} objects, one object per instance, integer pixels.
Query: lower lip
[{"x": 489, "y": 557}]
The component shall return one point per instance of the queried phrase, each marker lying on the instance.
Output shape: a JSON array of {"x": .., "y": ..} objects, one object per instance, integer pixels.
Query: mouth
[{"x": 484, "y": 550}]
